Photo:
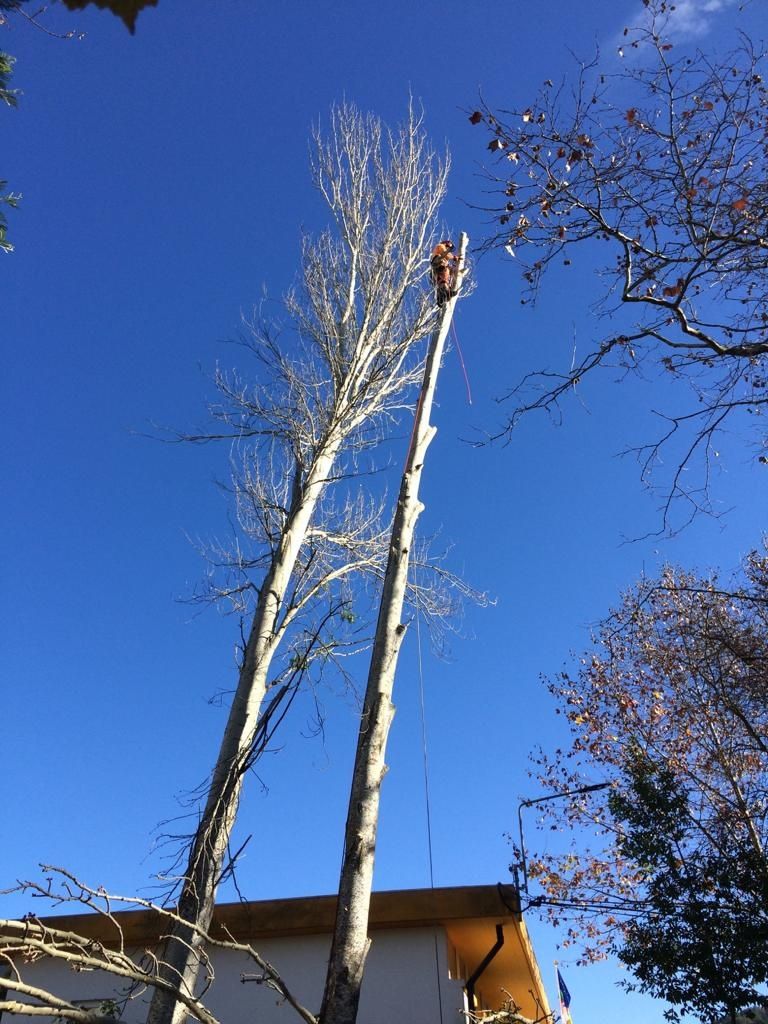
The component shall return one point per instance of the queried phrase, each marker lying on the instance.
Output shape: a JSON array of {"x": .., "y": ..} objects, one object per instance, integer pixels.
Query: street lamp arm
[{"x": 593, "y": 788}]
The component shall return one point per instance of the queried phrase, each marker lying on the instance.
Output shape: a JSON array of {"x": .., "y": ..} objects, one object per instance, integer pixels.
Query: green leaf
[{"x": 6, "y": 70}]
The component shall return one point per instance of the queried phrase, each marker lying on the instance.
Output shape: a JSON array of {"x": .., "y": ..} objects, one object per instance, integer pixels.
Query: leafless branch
[{"x": 669, "y": 181}]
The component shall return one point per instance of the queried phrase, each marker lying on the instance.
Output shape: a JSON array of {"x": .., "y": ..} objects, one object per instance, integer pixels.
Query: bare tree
[
  {"x": 357, "y": 315},
  {"x": 260, "y": 496},
  {"x": 320, "y": 404},
  {"x": 661, "y": 165}
]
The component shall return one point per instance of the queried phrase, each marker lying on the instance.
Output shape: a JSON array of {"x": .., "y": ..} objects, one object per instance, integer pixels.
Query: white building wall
[{"x": 406, "y": 982}]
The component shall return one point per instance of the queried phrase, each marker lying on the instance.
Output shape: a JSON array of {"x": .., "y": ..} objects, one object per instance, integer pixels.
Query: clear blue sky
[{"x": 165, "y": 186}]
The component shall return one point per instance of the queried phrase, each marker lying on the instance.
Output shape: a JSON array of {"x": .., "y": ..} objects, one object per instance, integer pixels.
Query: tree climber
[{"x": 442, "y": 268}]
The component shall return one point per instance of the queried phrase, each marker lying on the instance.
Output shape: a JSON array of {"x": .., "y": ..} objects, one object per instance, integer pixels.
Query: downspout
[{"x": 469, "y": 988}]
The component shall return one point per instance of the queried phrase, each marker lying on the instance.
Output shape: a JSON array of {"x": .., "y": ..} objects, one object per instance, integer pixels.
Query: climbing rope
[
  {"x": 424, "y": 742},
  {"x": 461, "y": 360},
  {"x": 426, "y": 787}
]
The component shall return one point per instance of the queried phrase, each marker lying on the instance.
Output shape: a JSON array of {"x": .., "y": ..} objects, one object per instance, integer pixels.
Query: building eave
[{"x": 303, "y": 915}]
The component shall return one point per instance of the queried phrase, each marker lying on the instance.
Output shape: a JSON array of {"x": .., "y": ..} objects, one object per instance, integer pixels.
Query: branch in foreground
[{"x": 33, "y": 939}]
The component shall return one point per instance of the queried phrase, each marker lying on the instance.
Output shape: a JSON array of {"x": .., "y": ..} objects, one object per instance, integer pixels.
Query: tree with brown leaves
[{"x": 667, "y": 866}]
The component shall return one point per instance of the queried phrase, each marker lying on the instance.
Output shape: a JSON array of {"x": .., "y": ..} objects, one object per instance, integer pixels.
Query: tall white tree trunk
[{"x": 350, "y": 940}]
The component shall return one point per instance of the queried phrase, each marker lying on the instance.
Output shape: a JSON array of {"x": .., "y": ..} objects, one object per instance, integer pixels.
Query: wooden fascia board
[{"x": 406, "y": 908}]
